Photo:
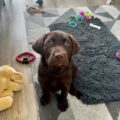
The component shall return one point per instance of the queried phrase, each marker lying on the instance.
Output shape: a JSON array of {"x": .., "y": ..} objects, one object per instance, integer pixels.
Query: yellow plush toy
[{"x": 10, "y": 81}]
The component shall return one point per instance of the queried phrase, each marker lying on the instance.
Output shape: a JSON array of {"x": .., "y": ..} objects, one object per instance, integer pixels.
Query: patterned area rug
[
  {"x": 107, "y": 82},
  {"x": 38, "y": 24}
]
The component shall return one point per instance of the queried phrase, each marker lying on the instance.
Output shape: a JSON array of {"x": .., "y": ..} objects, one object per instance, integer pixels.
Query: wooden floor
[{"x": 13, "y": 40}]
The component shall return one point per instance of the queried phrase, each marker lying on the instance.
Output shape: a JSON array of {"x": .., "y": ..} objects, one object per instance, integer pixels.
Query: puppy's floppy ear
[
  {"x": 75, "y": 45},
  {"x": 38, "y": 45}
]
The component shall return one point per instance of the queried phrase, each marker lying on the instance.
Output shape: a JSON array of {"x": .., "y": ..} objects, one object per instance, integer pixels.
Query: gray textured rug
[{"x": 98, "y": 79}]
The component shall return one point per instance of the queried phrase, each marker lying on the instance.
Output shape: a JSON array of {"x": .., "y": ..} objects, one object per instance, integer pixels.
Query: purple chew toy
[{"x": 117, "y": 54}]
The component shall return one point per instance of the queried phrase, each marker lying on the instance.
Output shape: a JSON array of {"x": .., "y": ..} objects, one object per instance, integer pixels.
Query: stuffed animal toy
[{"x": 10, "y": 81}]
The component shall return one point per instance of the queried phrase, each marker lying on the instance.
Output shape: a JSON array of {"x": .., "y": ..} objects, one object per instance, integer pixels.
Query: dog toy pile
[
  {"x": 84, "y": 15},
  {"x": 10, "y": 81},
  {"x": 72, "y": 20}
]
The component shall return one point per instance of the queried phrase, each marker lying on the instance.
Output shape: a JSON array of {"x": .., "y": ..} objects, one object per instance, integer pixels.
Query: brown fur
[{"x": 56, "y": 69}]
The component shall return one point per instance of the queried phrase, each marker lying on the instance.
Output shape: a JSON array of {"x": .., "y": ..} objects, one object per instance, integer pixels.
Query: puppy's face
[{"x": 57, "y": 48}]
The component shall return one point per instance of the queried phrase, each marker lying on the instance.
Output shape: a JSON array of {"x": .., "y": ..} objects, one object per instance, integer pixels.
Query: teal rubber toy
[
  {"x": 72, "y": 21},
  {"x": 72, "y": 24}
]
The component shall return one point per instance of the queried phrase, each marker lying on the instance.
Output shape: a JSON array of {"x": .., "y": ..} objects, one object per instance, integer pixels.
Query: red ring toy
[{"x": 25, "y": 60}]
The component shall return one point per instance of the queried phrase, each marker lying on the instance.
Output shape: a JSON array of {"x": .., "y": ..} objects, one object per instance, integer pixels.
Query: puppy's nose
[{"x": 59, "y": 56}]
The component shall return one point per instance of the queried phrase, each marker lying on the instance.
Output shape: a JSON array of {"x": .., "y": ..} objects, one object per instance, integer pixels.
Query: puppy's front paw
[
  {"x": 44, "y": 100},
  {"x": 63, "y": 105}
]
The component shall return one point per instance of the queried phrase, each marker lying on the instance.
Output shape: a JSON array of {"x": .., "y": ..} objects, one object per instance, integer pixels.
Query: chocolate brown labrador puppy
[{"x": 56, "y": 69}]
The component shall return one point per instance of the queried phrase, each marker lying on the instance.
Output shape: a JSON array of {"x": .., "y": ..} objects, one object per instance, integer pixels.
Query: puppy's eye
[
  {"x": 49, "y": 43},
  {"x": 67, "y": 44}
]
